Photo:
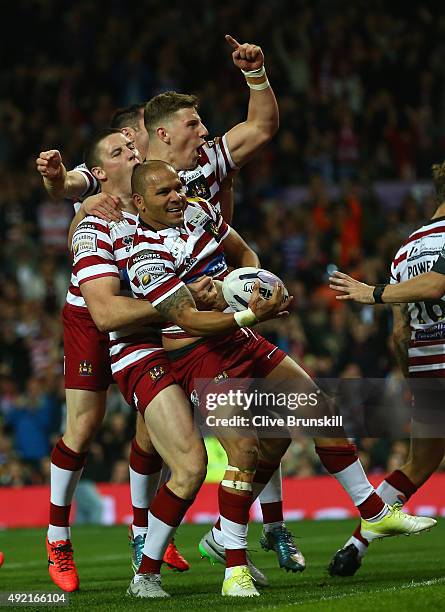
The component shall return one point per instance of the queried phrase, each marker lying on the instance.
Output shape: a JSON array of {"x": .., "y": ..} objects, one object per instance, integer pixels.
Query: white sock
[
  {"x": 218, "y": 536},
  {"x": 270, "y": 526},
  {"x": 272, "y": 492},
  {"x": 362, "y": 548},
  {"x": 137, "y": 531},
  {"x": 56, "y": 533},
  {"x": 390, "y": 494}
]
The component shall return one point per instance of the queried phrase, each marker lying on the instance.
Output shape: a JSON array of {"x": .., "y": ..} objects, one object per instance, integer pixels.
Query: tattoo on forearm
[{"x": 173, "y": 306}]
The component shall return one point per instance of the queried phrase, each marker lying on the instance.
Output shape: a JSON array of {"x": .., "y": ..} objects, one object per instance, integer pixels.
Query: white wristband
[
  {"x": 255, "y": 74},
  {"x": 260, "y": 86},
  {"x": 259, "y": 72},
  {"x": 244, "y": 318}
]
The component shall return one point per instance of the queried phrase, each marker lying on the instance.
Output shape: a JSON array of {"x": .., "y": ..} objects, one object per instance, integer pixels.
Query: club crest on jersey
[
  {"x": 85, "y": 368},
  {"x": 194, "y": 398},
  {"x": 156, "y": 372},
  {"x": 198, "y": 188},
  {"x": 219, "y": 378},
  {"x": 211, "y": 228}
]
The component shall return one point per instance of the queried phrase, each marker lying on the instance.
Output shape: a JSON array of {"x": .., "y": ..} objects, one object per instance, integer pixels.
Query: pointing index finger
[{"x": 232, "y": 42}]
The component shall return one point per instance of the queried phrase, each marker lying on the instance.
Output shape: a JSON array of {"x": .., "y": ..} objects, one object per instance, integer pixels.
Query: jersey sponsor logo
[
  {"x": 190, "y": 175},
  {"x": 198, "y": 218},
  {"x": 86, "y": 226},
  {"x": 85, "y": 368},
  {"x": 143, "y": 256},
  {"x": 156, "y": 372},
  {"x": 84, "y": 242},
  {"x": 435, "y": 332},
  {"x": 420, "y": 268},
  {"x": 147, "y": 272}
]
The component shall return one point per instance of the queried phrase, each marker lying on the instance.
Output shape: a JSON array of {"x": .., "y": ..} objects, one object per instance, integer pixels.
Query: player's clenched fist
[
  {"x": 246, "y": 56},
  {"x": 49, "y": 164}
]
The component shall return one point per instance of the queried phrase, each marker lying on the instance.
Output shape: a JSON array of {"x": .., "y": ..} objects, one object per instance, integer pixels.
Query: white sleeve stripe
[
  {"x": 227, "y": 152},
  {"x": 168, "y": 294},
  {"x": 95, "y": 270}
]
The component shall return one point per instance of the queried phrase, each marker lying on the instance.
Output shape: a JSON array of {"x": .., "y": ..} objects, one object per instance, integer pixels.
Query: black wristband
[{"x": 377, "y": 293}]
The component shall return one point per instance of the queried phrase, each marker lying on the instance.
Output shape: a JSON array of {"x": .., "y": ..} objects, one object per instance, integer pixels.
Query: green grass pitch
[{"x": 399, "y": 573}]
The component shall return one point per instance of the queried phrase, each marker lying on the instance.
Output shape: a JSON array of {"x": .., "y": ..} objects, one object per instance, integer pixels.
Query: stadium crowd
[{"x": 361, "y": 97}]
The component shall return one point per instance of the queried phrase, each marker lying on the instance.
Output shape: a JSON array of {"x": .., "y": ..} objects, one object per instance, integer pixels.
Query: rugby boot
[
  {"x": 173, "y": 558},
  {"x": 281, "y": 541},
  {"x": 240, "y": 584},
  {"x": 146, "y": 586},
  {"x": 396, "y": 522},
  {"x": 215, "y": 553},
  {"x": 136, "y": 547},
  {"x": 61, "y": 566},
  {"x": 345, "y": 562}
]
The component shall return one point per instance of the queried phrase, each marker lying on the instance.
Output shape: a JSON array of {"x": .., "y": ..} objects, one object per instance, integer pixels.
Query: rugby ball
[{"x": 238, "y": 286}]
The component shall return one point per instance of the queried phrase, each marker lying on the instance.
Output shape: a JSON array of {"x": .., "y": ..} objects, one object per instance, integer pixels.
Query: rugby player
[
  {"x": 87, "y": 362},
  {"x": 175, "y": 133},
  {"x": 419, "y": 342},
  {"x": 175, "y": 240}
]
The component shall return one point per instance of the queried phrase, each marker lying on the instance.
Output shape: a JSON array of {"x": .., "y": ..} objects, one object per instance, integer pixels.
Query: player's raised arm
[
  {"x": 57, "y": 181},
  {"x": 262, "y": 120},
  {"x": 428, "y": 286}
]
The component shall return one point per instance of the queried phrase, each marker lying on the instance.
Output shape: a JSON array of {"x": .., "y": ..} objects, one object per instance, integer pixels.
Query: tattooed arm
[
  {"x": 180, "y": 307},
  {"x": 401, "y": 335}
]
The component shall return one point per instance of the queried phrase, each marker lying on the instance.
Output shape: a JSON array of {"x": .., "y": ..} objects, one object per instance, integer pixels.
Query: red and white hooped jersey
[
  {"x": 92, "y": 185},
  {"x": 203, "y": 182},
  {"x": 102, "y": 249},
  {"x": 163, "y": 261},
  {"x": 426, "y": 353}
]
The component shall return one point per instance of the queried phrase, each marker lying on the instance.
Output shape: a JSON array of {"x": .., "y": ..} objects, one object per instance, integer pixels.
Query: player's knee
[
  {"x": 83, "y": 427},
  {"x": 244, "y": 454},
  {"x": 190, "y": 473}
]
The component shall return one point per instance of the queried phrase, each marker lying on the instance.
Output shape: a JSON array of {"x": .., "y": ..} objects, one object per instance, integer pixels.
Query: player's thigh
[
  {"x": 288, "y": 376},
  {"x": 172, "y": 429},
  {"x": 288, "y": 369}
]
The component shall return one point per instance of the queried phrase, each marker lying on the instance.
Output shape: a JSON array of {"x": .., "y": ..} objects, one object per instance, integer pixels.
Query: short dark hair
[
  {"x": 141, "y": 172},
  {"x": 161, "y": 107},
  {"x": 91, "y": 156},
  {"x": 127, "y": 116},
  {"x": 439, "y": 181}
]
